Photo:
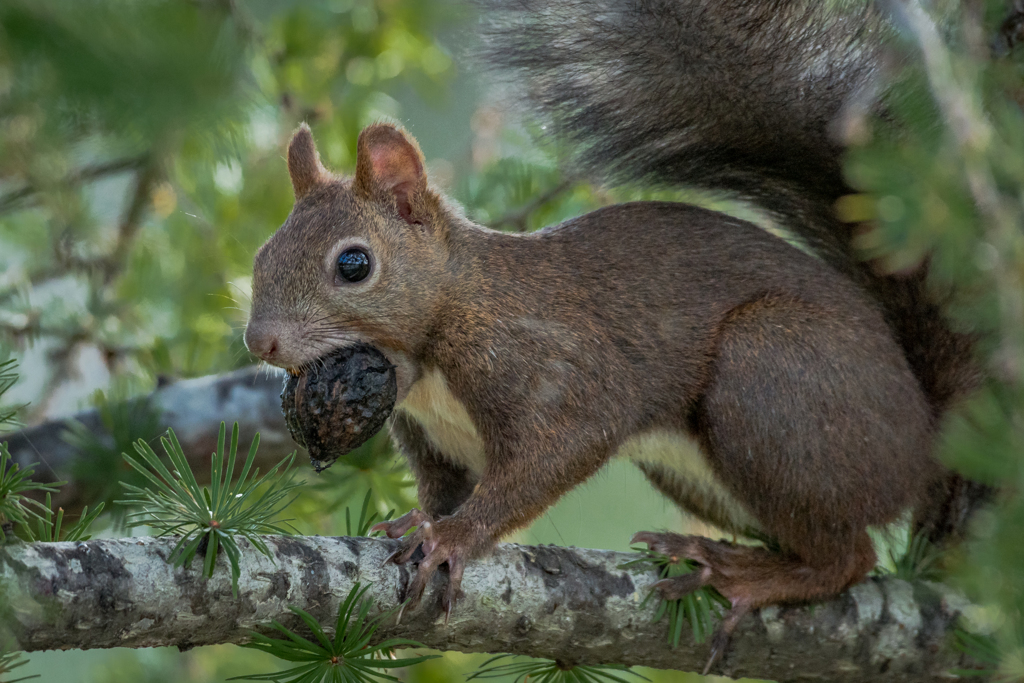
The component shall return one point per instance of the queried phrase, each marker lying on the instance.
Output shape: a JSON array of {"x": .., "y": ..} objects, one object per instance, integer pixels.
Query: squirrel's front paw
[{"x": 445, "y": 541}]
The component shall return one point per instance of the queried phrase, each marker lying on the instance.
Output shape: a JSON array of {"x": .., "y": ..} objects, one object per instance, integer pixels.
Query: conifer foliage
[{"x": 140, "y": 169}]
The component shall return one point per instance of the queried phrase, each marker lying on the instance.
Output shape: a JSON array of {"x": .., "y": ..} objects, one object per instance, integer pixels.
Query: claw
[
  {"x": 720, "y": 639},
  {"x": 414, "y": 593},
  {"x": 450, "y": 597},
  {"x": 390, "y": 557},
  {"x": 439, "y": 545},
  {"x": 396, "y": 528},
  {"x": 647, "y": 537},
  {"x": 671, "y": 545},
  {"x": 448, "y": 607},
  {"x": 718, "y": 645},
  {"x": 456, "y": 568},
  {"x": 401, "y": 611}
]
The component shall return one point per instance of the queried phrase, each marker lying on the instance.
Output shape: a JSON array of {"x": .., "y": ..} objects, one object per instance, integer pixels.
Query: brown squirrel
[{"x": 813, "y": 386}]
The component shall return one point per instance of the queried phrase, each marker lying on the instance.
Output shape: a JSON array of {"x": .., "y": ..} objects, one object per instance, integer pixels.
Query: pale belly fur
[
  {"x": 677, "y": 458},
  {"x": 445, "y": 420}
]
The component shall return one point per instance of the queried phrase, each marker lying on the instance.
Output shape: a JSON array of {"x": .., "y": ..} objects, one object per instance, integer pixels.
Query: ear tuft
[
  {"x": 304, "y": 163},
  {"x": 389, "y": 161}
]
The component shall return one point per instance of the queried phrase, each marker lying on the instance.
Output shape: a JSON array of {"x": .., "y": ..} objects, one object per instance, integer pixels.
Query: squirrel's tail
[
  {"x": 747, "y": 97},
  {"x": 724, "y": 94}
]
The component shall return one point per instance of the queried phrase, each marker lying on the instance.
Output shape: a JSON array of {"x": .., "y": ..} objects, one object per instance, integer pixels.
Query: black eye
[{"x": 353, "y": 265}]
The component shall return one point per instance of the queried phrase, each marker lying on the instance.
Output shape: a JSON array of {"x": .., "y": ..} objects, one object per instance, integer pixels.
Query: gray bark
[
  {"x": 569, "y": 604},
  {"x": 193, "y": 408}
]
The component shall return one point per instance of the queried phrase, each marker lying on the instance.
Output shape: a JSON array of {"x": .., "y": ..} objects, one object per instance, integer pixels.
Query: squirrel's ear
[
  {"x": 304, "y": 163},
  {"x": 390, "y": 162}
]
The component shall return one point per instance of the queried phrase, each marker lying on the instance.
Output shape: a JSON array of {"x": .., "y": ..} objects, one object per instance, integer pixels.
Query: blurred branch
[
  {"x": 569, "y": 604},
  {"x": 110, "y": 265},
  {"x": 114, "y": 263},
  {"x": 60, "y": 367},
  {"x": 107, "y": 268},
  {"x": 194, "y": 408},
  {"x": 85, "y": 174},
  {"x": 517, "y": 220}
]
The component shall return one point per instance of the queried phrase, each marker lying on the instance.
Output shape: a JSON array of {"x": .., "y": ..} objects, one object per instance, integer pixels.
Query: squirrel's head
[{"x": 361, "y": 259}]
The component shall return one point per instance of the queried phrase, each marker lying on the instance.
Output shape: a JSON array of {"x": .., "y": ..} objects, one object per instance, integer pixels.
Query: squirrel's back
[{"x": 656, "y": 311}]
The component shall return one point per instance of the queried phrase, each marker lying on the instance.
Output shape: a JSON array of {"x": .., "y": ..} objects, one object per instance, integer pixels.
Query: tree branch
[
  {"x": 84, "y": 174},
  {"x": 194, "y": 408},
  {"x": 517, "y": 219},
  {"x": 571, "y": 604},
  {"x": 550, "y": 602},
  {"x": 115, "y": 262}
]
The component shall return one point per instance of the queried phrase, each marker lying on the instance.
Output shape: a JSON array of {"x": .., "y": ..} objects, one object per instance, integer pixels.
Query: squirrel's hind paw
[
  {"x": 673, "y": 546},
  {"x": 750, "y": 576}
]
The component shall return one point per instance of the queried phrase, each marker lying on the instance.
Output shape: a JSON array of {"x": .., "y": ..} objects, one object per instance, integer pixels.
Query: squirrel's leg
[
  {"x": 816, "y": 424},
  {"x": 523, "y": 476},
  {"x": 751, "y": 577},
  {"x": 739, "y": 572},
  {"x": 442, "y": 486}
]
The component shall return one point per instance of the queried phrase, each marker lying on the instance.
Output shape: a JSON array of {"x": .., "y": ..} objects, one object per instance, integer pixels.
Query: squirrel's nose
[{"x": 261, "y": 341}]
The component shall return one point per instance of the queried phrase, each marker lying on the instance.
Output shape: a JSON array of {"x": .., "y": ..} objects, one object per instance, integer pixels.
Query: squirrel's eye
[{"x": 353, "y": 265}]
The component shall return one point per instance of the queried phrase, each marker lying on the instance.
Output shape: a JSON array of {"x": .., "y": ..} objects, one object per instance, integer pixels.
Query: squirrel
[{"x": 813, "y": 386}]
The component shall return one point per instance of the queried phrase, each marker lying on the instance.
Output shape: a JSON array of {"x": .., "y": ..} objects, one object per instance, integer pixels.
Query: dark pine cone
[{"x": 339, "y": 403}]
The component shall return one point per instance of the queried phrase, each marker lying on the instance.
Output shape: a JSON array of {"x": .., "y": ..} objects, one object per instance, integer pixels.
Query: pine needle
[
  {"x": 700, "y": 608},
  {"x": 347, "y": 657},
  {"x": 15, "y": 507},
  {"x": 209, "y": 519},
  {"x": 548, "y": 671}
]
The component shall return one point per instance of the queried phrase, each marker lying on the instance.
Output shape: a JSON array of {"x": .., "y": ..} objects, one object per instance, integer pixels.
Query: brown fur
[
  {"x": 563, "y": 344},
  {"x": 749, "y": 97},
  {"x": 304, "y": 163}
]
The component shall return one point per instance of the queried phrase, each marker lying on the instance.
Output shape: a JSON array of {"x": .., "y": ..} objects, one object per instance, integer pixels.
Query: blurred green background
[{"x": 141, "y": 166}]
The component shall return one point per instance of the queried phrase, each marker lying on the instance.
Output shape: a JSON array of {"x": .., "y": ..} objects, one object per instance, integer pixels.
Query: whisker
[{"x": 241, "y": 291}]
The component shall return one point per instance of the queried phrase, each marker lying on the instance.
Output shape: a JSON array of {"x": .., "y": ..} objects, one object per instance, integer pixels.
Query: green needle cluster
[
  {"x": 35, "y": 520},
  {"x": 209, "y": 519},
  {"x": 365, "y": 521},
  {"x": 699, "y": 608},
  {"x": 48, "y": 528},
  {"x": 547, "y": 671},
  {"x": 8, "y": 377},
  {"x": 986, "y": 651},
  {"x": 348, "y": 657},
  {"x": 919, "y": 562},
  {"x": 15, "y": 482},
  {"x": 9, "y": 661}
]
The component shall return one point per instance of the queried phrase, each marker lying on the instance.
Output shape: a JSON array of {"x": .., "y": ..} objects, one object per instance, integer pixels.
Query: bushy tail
[
  {"x": 724, "y": 94},
  {"x": 743, "y": 96}
]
